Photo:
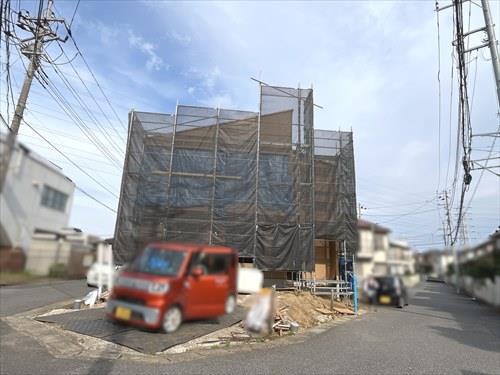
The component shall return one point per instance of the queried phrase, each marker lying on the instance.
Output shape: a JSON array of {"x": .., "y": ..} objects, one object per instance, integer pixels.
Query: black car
[{"x": 391, "y": 291}]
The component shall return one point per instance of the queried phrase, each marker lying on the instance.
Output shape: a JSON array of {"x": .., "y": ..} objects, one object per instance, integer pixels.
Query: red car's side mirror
[{"x": 197, "y": 271}]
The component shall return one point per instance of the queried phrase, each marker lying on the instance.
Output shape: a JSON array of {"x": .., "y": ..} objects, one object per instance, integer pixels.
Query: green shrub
[
  {"x": 482, "y": 268},
  {"x": 57, "y": 270}
]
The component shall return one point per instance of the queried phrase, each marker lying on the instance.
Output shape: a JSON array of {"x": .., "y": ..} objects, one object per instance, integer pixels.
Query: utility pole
[
  {"x": 360, "y": 207},
  {"x": 492, "y": 44},
  {"x": 32, "y": 48},
  {"x": 449, "y": 236}
]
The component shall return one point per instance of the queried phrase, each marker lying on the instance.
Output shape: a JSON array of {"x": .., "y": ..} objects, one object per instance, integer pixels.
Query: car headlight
[{"x": 158, "y": 288}]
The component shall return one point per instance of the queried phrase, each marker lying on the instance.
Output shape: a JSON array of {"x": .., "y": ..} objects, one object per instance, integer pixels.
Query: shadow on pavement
[
  {"x": 469, "y": 372},
  {"x": 478, "y": 325}
]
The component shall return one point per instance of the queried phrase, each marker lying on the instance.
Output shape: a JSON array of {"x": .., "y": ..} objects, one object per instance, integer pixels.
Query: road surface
[{"x": 439, "y": 333}]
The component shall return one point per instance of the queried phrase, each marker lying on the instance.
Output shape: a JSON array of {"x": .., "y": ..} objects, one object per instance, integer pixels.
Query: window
[
  {"x": 214, "y": 264},
  {"x": 54, "y": 199},
  {"x": 158, "y": 262}
]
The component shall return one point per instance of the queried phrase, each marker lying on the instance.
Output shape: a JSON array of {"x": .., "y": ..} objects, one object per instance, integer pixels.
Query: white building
[
  {"x": 400, "y": 260},
  {"x": 434, "y": 263},
  {"x": 371, "y": 258},
  {"x": 36, "y": 198},
  {"x": 378, "y": 255}
]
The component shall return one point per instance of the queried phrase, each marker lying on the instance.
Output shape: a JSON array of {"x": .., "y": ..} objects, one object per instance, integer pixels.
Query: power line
[
  {"x": 70, "y": 160},
  {"x": 95, "y": 199},
  {"x": 72, "y": 114},
  {"x": 95, "y": 79},
  {"x": 83, "y": 105},
  {"x": 400, "y": 205},
  {"x": 439, "y": 100},
  {"x": 92, "y": 96},
  {"x": 74, "y": 14},
  {"x": 41, "y": 33}
]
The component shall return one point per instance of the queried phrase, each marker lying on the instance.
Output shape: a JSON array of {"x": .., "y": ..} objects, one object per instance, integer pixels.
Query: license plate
[
  {"x": 123, "y": 313},
  {"x": 385, "y": 300}
]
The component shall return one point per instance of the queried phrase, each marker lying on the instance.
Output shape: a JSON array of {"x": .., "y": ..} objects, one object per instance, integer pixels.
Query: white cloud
[
  {"x": 373, "y": 66},
  {"x": 180, "y": 38},
  {"x": 154, "y": 62},
  {"x": 218, "y": 101},
  {"x": 108, "y": 34}
]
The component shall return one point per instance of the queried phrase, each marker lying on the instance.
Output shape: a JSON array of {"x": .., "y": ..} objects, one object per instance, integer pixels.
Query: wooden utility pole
[{"x": 32, "y": 48}]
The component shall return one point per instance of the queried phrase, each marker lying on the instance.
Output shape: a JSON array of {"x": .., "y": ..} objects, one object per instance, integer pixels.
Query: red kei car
[{"x": 168, "y": 283}]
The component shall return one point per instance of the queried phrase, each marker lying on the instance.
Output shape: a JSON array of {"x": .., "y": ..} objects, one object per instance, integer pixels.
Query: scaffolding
[
  {"x": 236, "y": 178},
  {"x": 335, "y": 189}
]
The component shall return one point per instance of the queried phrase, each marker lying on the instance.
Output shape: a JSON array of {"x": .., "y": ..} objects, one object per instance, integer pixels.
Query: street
[
  {"x": 20, "y": 298},
  {"x": 439, "y": 333}
]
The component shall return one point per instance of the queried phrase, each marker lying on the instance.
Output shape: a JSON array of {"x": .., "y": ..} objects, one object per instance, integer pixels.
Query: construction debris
[
  {"x": 343, "y": 310},
  {"x": 304, "y": 309}
]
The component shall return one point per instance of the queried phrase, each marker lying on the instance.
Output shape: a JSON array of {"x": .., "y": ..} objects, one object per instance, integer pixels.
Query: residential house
[
  {"x": 372, "y": 255},
  {"x": 400, "y": 260},
  {"x": 36, "y": 198}
]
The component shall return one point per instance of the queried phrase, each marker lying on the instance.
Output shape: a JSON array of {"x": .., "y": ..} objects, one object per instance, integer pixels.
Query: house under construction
[{"x": 265, "y": 183}]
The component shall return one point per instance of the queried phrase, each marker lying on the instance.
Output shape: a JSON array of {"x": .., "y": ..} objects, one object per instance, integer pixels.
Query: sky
[{"x": 373, "y": 67}]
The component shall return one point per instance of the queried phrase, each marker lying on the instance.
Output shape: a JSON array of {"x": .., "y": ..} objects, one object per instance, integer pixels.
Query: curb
[{"x": 67, "y": 344}]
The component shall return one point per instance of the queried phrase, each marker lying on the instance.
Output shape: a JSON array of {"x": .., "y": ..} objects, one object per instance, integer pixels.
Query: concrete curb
[{"x": 66, "y": 344}]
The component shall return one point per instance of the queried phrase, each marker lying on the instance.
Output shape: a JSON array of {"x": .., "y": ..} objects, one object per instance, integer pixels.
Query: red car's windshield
[{"x": 158, "y": 262}]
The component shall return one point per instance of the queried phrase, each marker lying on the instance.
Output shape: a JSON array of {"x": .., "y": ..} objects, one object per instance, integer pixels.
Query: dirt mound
[{"x": 306, "y": 309}]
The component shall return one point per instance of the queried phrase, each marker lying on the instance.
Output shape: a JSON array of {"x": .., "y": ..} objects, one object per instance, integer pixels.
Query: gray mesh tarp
[
  {"x": 284, "y": 204},
  {"x": 235, "y": 178},
  {"x": 335, "y": 188}
]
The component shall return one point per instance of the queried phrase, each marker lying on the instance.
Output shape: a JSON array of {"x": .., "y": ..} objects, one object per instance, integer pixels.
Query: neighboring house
[
  {"x": 371, "y": 258},
  {"x": 434, "y": 262},
  {"x": 400, "y": 259},
  {"x": 479, "y": 270},
  {"x": 36, "y": 198},
  {"x": 483, "y": 249},
  {"x": 378, "y": 255}
]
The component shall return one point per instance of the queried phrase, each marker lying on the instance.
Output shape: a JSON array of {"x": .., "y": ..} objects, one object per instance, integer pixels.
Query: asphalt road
[
  {"x": 439, "y": 333},
  {"x": 19, "y": 298}
]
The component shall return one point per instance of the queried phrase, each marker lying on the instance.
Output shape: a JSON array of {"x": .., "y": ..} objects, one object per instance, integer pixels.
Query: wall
[
  {"x": 485, "y": 290},
  {"x": 366, "y": 243},
  {"x": 47, "y": 250},
  {"x": 21, "y": 211}
]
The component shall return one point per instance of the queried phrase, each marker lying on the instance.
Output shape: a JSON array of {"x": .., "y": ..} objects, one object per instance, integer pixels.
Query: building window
[{"x": 54, "y": 199}]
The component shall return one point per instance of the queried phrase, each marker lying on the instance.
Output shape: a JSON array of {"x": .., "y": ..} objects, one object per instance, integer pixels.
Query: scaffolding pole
[
  {"x": 257, "y": 174},
  {"x": 214, "y": 178},
  {"x": 171, "y": 161}
]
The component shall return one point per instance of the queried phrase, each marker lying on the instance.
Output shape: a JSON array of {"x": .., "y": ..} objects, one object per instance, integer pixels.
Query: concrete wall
[
  {"x": 21, "y": 210},
  {"x": 47, "y": 250},
  {"x": 485, "y": 289}
]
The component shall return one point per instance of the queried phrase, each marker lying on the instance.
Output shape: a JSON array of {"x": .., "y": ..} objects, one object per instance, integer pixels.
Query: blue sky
[{"x": 373, "y": 67}]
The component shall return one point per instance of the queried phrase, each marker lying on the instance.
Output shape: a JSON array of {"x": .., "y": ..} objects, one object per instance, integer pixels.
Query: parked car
[
  {"x": 391, "y": 291},
  {"x": 168, "y": 283}
]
